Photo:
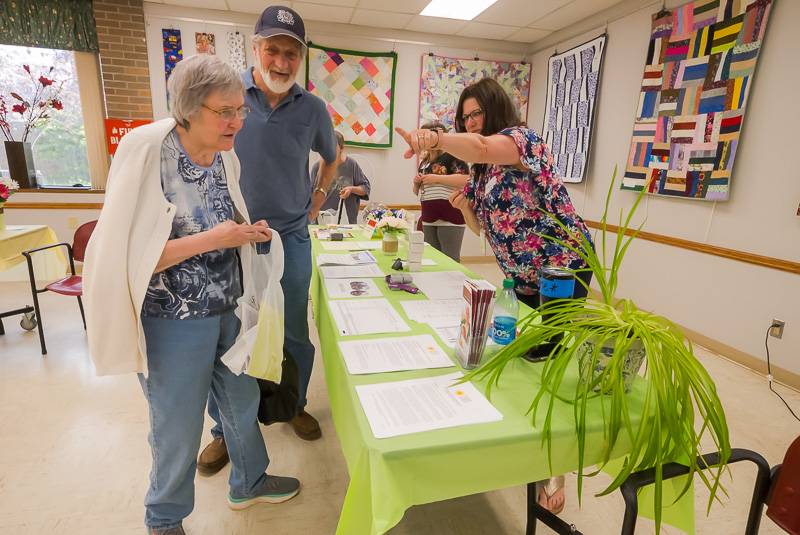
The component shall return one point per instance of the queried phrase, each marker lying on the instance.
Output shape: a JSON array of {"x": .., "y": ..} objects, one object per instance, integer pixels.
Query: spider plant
[{"x": 679, "y": 406}]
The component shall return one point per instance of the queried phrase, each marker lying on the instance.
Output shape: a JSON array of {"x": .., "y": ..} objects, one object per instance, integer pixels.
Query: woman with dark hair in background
[
  {"x": 439, "y": 176},
  {"x": 513, "y": 195}
]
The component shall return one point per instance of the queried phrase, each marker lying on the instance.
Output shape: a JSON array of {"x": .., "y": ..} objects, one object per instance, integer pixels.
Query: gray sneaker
[
  {"x": 274, "y": 489},
  {"x": 166, "y": 531}
]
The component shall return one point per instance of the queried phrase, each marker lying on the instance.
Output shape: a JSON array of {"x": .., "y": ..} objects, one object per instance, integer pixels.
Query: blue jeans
[
  {"x": 184, "y": 369},
  {"x": 295, "y": 282}
]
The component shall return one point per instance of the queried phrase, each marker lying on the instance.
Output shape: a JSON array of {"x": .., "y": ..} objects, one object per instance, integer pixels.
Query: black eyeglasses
[
  {"x": 229, "y": 114},
  {"x": 474, "y": 114}
]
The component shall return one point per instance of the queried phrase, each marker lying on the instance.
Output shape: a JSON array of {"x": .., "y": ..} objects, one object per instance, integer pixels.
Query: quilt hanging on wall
[
  {"x": 573, "y": 78},
  {"x": 173, "y": 51},
  {"x": 442, "y": 80},
  {"x": 358, "y": 90},
  {"x": 700, "y": 69},
  {"x": 236, "y": 57}
]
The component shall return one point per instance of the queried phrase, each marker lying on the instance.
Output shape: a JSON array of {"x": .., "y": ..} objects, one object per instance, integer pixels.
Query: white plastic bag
[{"x": 259, "y": 350}]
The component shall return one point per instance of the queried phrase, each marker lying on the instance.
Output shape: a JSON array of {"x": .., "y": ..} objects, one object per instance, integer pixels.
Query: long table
[{"x": 387, "y": 476}]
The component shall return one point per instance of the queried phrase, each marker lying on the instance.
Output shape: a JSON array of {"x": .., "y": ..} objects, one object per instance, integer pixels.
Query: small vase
[
  {"x": 20, "y": 163},
  {"x": 632, "y": 362},
  {"x": 389, "y": 244}
]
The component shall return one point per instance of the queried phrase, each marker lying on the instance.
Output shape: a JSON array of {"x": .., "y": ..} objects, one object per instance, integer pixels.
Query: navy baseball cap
[{"x": 281, "y": 20}]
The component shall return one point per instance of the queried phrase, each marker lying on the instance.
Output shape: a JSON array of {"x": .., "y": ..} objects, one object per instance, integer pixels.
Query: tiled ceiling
[{"x": 524, "y": 21}]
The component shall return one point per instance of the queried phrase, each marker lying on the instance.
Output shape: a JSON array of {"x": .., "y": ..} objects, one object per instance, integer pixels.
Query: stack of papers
[
  {"x": 350, "y": 245},
  {"x": 350, "y": 288},
  {"x": 352, "y": 259},
  {"x": 393, "y": 354},
  {"x": 441, "y": 284},
  {"x": 478, "y": 305},
  {"x": 436, "y": 312},
  {"x": 325, "y": 233},
  {"x": 366, "y": 316},
  {"x": 416, "y": 405},
  {"x": 350, "y": 272}
]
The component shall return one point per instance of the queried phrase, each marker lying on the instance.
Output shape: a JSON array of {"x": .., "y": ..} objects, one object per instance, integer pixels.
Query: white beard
[{"x": 274, "y": 85}]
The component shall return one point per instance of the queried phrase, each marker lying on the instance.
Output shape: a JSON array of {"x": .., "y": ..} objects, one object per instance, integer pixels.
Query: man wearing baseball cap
[{"x": 285, "y": 123}]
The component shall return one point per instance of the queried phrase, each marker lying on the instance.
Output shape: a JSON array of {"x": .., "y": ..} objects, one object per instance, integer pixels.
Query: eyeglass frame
[
  {"x": 239, "y": 113},
  {"x": 474, "y": 114}
]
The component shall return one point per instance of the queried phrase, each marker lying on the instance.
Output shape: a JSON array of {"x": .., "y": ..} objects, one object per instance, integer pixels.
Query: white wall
[
  {"x": 63, "y": 222},
  {"x": 390, "y": 174},
  {"x": 728, "y": 301}
]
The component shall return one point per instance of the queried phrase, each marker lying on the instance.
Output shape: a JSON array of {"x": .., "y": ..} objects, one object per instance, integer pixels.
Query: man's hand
[{"x": 317, "y": 200}]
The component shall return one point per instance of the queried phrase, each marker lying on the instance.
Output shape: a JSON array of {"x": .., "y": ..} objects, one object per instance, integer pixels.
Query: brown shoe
[
  {"x": 306, "y": 426},
  {"x": 213, "y": 458}
]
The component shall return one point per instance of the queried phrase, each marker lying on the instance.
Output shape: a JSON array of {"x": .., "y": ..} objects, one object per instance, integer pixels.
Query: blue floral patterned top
[
  {"x": 206, "y": 284},
  {"x": 506, "y": 201}
]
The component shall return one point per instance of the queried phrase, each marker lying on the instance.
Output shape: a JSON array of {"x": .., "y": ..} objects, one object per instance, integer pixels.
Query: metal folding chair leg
[
  {"x": 83, "y": 316},
  {"x": 537, "y": 512}
]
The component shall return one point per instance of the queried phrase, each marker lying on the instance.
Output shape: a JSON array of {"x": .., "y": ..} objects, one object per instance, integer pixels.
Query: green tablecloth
[{"x": 387, "y": 476}]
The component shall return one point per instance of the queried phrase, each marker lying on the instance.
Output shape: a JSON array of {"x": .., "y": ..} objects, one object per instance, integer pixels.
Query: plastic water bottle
[{"x": 506, "y": 311}]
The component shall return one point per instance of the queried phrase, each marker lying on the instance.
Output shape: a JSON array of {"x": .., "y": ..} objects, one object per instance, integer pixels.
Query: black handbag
[{"x": 278, "y": 401}]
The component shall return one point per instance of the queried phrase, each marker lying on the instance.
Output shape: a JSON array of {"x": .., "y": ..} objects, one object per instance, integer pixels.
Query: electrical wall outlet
[
  {"x": 72, "y": 223},
  {"x": 776, "y": 330}
]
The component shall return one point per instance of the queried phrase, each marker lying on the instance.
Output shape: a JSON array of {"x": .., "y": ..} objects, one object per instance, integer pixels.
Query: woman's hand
[
  {"x": 460, "y": 201},
  {"x": 429, "y": 179},
  {"x": 419, "y": 140},
  {"x": 230, "y": 234},
  {"x": 346, "y": 192}
]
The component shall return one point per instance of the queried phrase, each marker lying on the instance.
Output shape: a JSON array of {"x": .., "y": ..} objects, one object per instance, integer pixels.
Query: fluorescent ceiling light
[{"x": 456, "y": 9}]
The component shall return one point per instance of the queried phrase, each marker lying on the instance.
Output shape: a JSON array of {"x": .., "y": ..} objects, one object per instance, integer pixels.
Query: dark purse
[{"x": 278, "y": 401}]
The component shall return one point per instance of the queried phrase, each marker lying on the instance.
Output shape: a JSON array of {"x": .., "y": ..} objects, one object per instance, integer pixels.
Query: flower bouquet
[
  {"x": 390, "y": 226},
  {"x": 7, "y": 188},
  {"x": 374, "y": 213}
]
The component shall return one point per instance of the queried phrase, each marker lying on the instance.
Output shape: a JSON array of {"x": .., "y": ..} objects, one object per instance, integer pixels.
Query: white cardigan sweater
[{"x": 133, "y": 228}]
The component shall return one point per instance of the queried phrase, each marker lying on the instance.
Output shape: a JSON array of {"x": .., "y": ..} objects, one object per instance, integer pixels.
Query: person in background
[
  {"x": 512, "y": 195},
  {"x": 351, "y": 185},
  {"x": 285, "y": 123},
  {"x": 438, "y": 176},
  {"x": 165, "y": 268}
]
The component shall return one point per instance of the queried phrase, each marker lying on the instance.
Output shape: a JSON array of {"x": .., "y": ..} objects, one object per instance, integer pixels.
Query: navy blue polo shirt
[{"x": 273, "y": 148}]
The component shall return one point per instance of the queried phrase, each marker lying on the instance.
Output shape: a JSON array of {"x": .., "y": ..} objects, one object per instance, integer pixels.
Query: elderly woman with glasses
[{"x": 167, "y": 270}]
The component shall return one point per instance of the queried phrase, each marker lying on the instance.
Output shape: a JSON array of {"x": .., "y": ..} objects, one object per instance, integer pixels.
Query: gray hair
[
  {"x": 256, "y": 40},
  {"x": 194, "y": 79}
]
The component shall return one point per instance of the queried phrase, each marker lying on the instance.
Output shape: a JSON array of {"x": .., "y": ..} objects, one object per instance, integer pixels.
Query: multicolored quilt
[
  {"x": 700, "y": 68},
  {"x": 443, "y": 79},
  {"x": 358, "y": 89}
]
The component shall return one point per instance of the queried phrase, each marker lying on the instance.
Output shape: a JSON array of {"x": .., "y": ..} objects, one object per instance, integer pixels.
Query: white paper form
[
  {"x": 448, "y": 335},
  {"x": 350, "y": 272},
  {"x": 393, "y": 355},
  {"x": 416, "y": 405},
  {"x": 351, "y": 288},
  {"x": 428, "y": 262},
  {"x": 435, "y": 312},
  {"x": 366, "y": 316},
  {"x": 350, "y": 245},
  {"x": 351, "y": 259},
  {"x": 441, "y": 284}
]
